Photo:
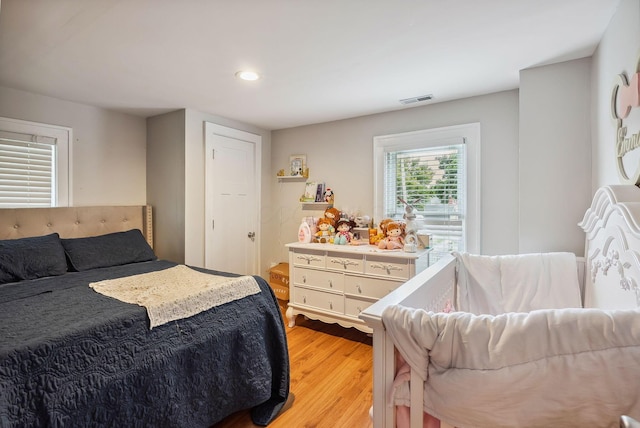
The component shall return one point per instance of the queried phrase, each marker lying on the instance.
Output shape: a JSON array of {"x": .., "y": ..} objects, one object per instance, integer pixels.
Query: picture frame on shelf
[{"x": 297, "y": 165}]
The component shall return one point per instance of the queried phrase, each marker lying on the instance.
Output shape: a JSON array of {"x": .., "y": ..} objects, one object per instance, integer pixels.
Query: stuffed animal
[
  {"x": 374, "y": 236},
  {"x": 333, "y": 215},
  {"x": 324, "y": 234},
  {"x": 328, "y": 196},
  {"x": 343, "y": 232},
  {"x": 394, "y": 236}
]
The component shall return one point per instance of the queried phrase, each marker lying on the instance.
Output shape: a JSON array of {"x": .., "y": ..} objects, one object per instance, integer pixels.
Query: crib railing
[{"x": 432, "y": 289}]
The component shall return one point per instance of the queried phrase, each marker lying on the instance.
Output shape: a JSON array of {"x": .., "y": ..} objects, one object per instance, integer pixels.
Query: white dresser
[{"x": 334, "y": 283}]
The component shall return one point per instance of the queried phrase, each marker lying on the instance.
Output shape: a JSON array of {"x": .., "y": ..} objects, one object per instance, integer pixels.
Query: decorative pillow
[
  {"x": 30, "y": 258},
  {"x": 113, "y": 249}
]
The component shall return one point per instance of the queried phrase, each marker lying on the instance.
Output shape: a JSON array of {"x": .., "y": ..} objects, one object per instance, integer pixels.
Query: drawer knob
[
  {"x": 330, "y": 284},
  {"x": 359, "y": 288},
  {"x": 330, "y": 305},
  {"x": 304, "y": 299},
  {"x": 304, "y": 279},
  {"x": 359, "y": 309}
]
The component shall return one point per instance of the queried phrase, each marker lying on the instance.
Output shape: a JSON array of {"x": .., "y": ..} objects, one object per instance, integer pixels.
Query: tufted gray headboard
[{"x": 75, "y": 222}]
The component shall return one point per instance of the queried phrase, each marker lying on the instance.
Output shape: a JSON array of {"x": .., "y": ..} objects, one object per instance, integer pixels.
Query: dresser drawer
[
  {"x": 318, "y": 278},
  {"x": 374, "y": 288},
  {"x": 387, "y": 267},
  {"x": 309, "y": 258},
  {"x": 353, "y": 307},
  {"x": 319, "y": 299},
  {"x": 345, "y": 263}
]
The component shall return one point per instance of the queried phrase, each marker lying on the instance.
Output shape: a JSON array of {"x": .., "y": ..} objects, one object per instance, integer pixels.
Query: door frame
[{"x": 256, "y": 140}]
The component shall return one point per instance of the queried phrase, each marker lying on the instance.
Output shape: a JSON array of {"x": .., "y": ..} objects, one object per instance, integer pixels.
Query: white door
[{"x": 232, "y": 195}]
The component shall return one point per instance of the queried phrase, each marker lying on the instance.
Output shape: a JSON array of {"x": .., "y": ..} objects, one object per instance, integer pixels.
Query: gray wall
[
  {"x": 165, "y": 182},
  {"x": 108, "y": 150},
  {"x": 535, "y": 160},
  {"x": 340, "y": 154},
  {"x": 555, "y": 156}
]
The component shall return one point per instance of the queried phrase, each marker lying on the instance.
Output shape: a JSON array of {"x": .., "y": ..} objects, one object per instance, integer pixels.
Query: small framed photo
[{"x": 298, "y": 164}]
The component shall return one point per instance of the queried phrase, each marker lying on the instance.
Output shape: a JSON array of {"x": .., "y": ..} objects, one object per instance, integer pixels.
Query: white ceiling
[{"x": 321, "y": 60}]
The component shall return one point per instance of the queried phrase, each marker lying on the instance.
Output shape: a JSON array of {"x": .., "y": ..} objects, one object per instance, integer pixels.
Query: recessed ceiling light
[{"x": 247, "y": 75}]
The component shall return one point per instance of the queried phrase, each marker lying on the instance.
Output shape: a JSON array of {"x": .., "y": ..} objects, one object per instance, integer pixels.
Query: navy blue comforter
[{"x": 72, "y": 357}]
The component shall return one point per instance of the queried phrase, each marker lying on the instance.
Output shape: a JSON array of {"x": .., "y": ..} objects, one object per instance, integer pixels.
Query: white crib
[{"x": 609, "y": 275}]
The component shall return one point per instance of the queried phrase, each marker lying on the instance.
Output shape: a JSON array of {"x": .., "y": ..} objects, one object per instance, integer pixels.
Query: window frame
[
  {"x": 470, "y": 134},
  {"x": 62, "y": 153}
]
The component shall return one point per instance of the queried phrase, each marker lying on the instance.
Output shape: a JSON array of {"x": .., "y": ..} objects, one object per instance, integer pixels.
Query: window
[
  {"x": 33, "y": 164},
  {"x": 436, "y": 172}
]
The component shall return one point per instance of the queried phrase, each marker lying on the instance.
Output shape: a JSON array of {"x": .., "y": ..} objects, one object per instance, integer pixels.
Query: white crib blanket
[
  {"x": 517, "y": 283},
  {"x": 547, "y": 368}
]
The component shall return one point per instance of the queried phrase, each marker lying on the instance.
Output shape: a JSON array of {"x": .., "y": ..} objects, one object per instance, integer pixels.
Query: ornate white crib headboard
[{"x": 612, "y": 248}]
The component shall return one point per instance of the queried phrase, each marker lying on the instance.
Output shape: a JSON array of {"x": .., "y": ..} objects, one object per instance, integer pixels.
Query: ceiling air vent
[{"x": 417, "y": 99}]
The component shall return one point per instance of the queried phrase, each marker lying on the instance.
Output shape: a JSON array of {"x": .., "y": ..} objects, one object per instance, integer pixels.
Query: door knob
[{"x": 252, "y": 236}]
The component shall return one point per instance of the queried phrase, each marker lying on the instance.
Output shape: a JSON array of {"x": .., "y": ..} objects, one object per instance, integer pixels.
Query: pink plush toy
[{"x": 394, "y": 236}]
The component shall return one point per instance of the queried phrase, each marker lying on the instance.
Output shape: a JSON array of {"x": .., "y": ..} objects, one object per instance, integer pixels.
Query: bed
[
  {"x": 73, "y": 356},
  {"x": 436, "y": 364}
]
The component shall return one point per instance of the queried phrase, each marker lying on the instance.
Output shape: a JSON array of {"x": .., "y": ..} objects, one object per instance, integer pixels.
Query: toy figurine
[
  {"x": 411, "y": 230},
  {"x": 394, "y": 238},
  {"x": 343, "y": 232},
  {"x": 374, "y": 236},
  {"x": 328, "y": 196},
  {"x": 324, "y": 235}
]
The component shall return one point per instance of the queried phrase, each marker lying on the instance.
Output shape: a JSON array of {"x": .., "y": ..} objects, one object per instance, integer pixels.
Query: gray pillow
[
  {"x": 113, "y": 249},
  {"x": 31, "y": 258}
]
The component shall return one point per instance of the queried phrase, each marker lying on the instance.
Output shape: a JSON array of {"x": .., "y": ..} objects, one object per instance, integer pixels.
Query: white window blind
[
  {"x": 433, "y": 180},
  {"x": 27, "y": 170}
]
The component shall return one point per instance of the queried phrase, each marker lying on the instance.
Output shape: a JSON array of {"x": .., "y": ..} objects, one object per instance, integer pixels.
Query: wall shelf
[
  {"x": 291, "y": 178},
  {"x": 316, "y": 205}
]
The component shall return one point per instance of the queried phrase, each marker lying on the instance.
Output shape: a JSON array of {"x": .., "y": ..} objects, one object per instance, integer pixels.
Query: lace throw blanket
[{"x": 176, "y": 293}]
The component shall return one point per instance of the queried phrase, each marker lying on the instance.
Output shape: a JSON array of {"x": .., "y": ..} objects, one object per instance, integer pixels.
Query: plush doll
[
  {"x": 343, "y": 232},
  {"x": 325, "y": 231},
  {"x": 333, "y": 215},
  {"x": 394, "y": 236}
]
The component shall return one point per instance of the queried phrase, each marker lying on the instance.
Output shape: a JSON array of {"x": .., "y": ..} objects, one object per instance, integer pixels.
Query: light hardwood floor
[{"x": 331, "y": 379}]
